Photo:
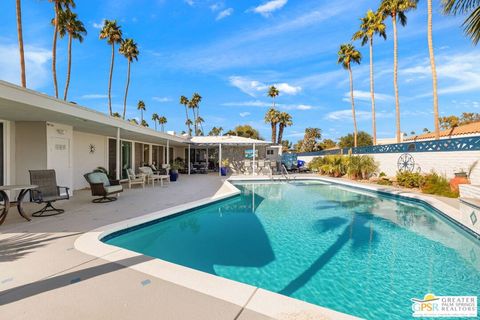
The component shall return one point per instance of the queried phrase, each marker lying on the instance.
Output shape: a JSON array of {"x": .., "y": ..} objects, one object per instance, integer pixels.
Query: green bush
[
  {"x": 438, "y": 185},
  {"x": 334, "y": 165},
  {"x": 410, "y": 179},
  {"x": 361, "y": 167},
  {"x": 384, "y": 182}
]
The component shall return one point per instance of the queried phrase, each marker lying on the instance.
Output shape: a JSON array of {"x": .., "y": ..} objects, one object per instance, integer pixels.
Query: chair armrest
[{"x": 114, "y": 182}]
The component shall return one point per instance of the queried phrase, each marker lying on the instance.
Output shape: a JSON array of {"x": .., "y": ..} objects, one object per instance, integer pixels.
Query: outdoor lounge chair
[
  {"x": 47, "y": 192},
  {"x": 103, "y": 187},
  {"x": 151, "y": 177},
  {"x": 135, "y": 178}
]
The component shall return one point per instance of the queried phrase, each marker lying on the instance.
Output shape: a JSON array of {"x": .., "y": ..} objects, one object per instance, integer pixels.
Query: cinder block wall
[{"x": 445, "y": 163}]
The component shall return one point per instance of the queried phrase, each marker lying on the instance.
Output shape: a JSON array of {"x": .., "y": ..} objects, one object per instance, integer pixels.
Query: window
[{"x": 270, "y": 152}]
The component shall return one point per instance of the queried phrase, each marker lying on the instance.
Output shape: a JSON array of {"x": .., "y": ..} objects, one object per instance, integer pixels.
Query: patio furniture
[
  {"x": 151, "y": 177},
  {"x": 247, "y": 167},
  {"x": 5, "y": 202},
  {"x": 135, "y": 178},
  {"x": 103, "y": 187},
  {"x": 260, "y": 166},
  {"x": 47, "y": 192}
]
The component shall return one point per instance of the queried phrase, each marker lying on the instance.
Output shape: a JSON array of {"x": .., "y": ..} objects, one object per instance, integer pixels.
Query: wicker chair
[
  {"x": 103, "y": 187},
  {"x": 47, "y": 192}
]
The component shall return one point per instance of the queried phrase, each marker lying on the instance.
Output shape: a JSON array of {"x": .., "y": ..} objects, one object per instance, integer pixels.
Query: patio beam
[
  {"x": 219, "y": 159},
  {"x": 188, "y": 163},
  {"x": 253, "y": 165}
]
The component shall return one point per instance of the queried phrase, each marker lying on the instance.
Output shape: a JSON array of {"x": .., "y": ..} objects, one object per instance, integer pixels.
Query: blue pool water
[{"x": 353, "y": 251}]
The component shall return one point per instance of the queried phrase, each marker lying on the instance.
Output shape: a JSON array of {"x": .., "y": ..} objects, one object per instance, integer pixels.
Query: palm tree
[
  {"x": 129, "y": 49},
  {"x": 346, "y": 55},
  {"x": 113, "y": 34},
  {"x": 371, "y": 25},
  {"x": 141, "y": 107},
  {"x": 162, "y": 120},
  {"x": 273, "y": 92},
  {"x": 434, "y": 70},
  {"x": 68, "y": 23},
  {"x": 273, "y": 117},
  {"x": 198, "y": 123},
  {"x": 133, "y": 121},
  {"x": 396, "y": 9},
  {"x": 23, "y": 78},
  {"x": 155, "y": 118},
  {"x": 195, "y": 105},
  {"x": 58, "y": 5},
  {"x": 285, "y": 120},
  {"x": 144, "y": 123},
  {"x": 185, "y": 102},
  {"x": 472, "y": 23}
]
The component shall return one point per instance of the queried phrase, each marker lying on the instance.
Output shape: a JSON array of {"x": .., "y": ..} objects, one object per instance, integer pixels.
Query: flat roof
[
  {"x": 226, "y": 140},
  {"x": 20, "y": 104}
]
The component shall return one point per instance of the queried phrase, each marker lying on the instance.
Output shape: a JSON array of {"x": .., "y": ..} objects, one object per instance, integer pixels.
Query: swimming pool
[{"x": 353, "y": 251}]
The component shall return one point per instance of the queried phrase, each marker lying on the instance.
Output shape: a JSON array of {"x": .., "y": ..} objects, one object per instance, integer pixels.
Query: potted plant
[
  {"x": 174, "y": 167},
  {"x": 462, "y": 177},
  {"x": 224, "y": 167}
]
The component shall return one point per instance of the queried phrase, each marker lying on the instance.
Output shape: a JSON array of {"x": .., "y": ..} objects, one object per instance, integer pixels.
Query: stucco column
[
  {"x": 220, "y": 159},
  {"x": 168, "y": 152},
  {"x": 117, "y": 158},
  {"x": 188, "y": 163}
]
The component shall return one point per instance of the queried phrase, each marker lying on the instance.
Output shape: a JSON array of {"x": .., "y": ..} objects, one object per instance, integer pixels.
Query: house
[
  {"x": 38, "y": 131},
  {"x": 466, "y": 130}
]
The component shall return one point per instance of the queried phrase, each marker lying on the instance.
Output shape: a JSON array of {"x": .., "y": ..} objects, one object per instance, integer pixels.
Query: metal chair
[
  {"x": 47, "y": 192},
  {"x": 103, "y": 187}
]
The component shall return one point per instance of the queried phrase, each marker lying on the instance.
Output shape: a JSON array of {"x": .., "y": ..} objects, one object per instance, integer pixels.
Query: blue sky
[{"x": 230, "y": 51}]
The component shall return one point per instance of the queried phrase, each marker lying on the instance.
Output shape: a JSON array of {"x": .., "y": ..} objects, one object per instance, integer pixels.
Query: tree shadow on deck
[{"x": 63, "y": 280}]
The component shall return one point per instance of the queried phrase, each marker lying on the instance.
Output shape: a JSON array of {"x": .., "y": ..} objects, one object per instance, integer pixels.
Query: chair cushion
[
  {"x": 113, "y": 189},
  {"x": 99, "y": 177}
]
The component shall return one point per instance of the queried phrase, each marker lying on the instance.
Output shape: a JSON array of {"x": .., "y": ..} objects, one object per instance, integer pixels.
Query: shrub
[
  {"x": 439, "y": 185},
  {"x": 361, "y": 167},
  {"x": 384, "y": 182},
  {"x": 315, "y": 164},
  {"x": 334, "y": 165},
  {"x": 410, "y": 179},
  {"x": 382, "y": 174}
]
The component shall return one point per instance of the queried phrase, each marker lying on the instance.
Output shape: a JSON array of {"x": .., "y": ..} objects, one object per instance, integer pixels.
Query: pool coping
[{"x": 243, "y": 295}]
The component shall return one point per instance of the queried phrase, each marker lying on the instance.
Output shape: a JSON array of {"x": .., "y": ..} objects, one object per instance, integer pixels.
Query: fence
[{"x": 442, "y": 145}]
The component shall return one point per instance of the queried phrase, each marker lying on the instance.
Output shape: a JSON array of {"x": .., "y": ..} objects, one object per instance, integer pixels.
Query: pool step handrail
[{"x": 285, "y": 173}]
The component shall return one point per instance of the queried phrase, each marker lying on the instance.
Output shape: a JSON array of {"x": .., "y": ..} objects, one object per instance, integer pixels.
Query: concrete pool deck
[{"x": 43, "y": 275}]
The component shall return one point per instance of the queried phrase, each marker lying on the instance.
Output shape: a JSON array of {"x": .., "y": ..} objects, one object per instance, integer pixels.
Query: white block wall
[
  {"x": 445, "y": 163},
  {"x": 83, "y": 160}
]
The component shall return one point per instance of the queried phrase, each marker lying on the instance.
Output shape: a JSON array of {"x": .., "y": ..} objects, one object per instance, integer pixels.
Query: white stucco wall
[
  {"x": 445, "y": 163},
  {"x": 83, "y": 160}
]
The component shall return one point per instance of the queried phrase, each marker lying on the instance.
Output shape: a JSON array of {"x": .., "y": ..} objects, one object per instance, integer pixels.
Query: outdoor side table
[{"x": 24, "y": 189}]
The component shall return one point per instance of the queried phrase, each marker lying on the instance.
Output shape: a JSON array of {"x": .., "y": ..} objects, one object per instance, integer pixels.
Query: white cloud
[
  {"x": 456, "y": 73},
  {"x": 267, "y": 8},
  {"x": 254, "y": 88},
  {"x": 98, "y": 25},
  {"x": 217, "y": 6},
  {"x": 190, "y": 2},
  {"x": 264, "y": 104},
  {"x": 36, "y": 65},
  {"x": 94, "y": 96},
  {"x": 365, "y": 96},
  {"x": 223, "y": 14},
  {"x": 342, "y": 115},
  {"x": 162, "y": 99},
  {"x": 244, "y": 114}
]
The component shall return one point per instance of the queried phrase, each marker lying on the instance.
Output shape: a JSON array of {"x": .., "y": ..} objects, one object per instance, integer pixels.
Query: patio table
[{"x": 24, "y": 189}]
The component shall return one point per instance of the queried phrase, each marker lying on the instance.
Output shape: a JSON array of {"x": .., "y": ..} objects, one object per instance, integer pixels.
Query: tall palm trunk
[
  {"x": 110, "y": 80},
  {"x": 280, "y": 133},
  {"x": 126, "y": 92},
  {"x": 162, "y": 127},
  {"x": 372, "y": 94},
  {"x": 434, "y": 71},
  {"x": 395, "y": 76},
  {"x": 155, "y": 122},
  {"x": 195, "y": 123},
  {"x": 54, "y": 50},
  {"x": 274, "y": 131},
  {"x": 188, "y": 124},
  {"x": 353, "y": 108},
  {"x": 69, "y": 67},
  {"x": 141, "y": 110},
  {"x": 20, "y": 44}
]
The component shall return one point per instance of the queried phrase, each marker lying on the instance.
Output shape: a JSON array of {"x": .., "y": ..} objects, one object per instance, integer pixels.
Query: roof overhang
[{"x": 20, "y": 104}]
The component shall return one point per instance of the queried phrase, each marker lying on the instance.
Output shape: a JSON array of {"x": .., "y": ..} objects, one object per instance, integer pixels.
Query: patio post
[
  {"x": 188, "y": 163},
  {"x": 253, "y": 165},
  {"x": 117, "y": 156},
  {"x": 219, "y": 159}
]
